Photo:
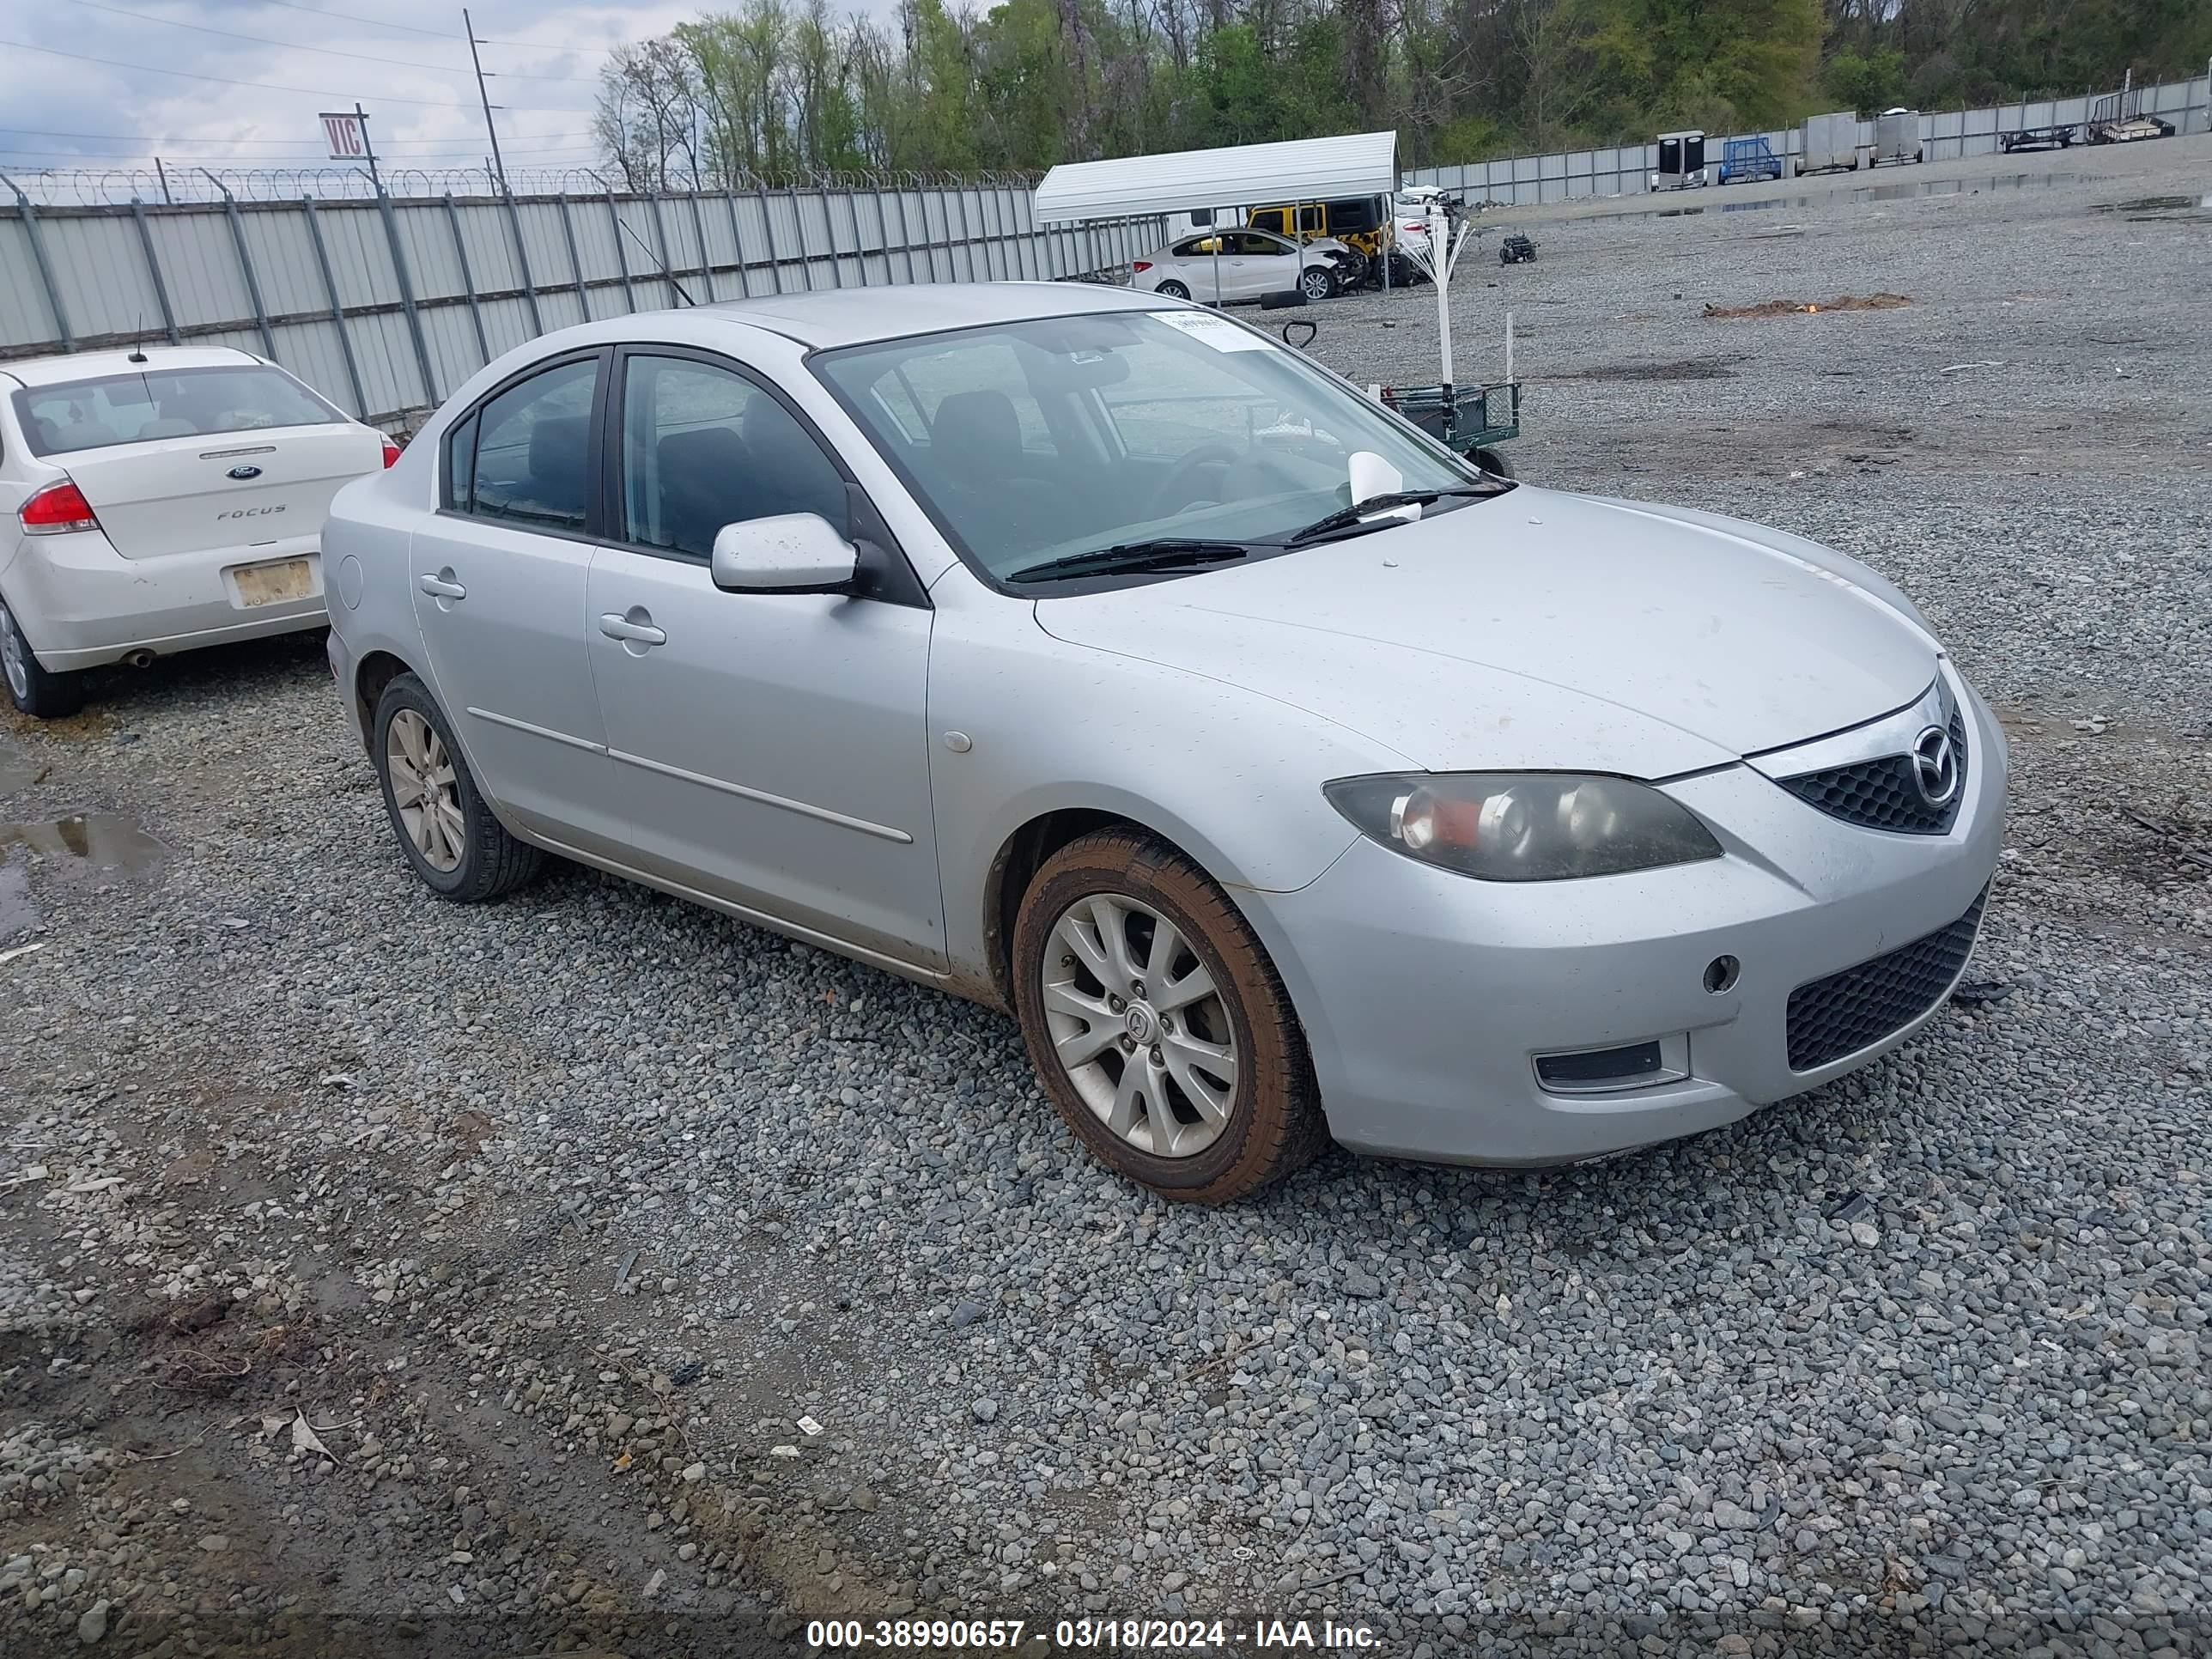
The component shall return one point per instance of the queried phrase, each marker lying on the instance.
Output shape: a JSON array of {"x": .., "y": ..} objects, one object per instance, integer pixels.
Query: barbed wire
[{"x": 112, "y": 187}]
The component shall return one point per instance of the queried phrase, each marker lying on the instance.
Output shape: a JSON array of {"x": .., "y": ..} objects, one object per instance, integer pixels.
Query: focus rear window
[{"x": 178, "y": 403}]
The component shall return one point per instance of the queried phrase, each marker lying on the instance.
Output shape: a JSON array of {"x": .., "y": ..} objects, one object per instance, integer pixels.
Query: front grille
[
  {"x": 1883, "y": 795},
  {"x": 1842, "y": 1013}
]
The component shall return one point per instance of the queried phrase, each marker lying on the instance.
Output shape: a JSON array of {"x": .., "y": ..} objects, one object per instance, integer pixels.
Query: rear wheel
[
  {"x": 1491, "y": 462},
  {"x": 38, "y": 691},
  {"x": 449, "y": 836},
  {"x": 1173, "y": 290},
  {"x": 1156, "y": 1024}
]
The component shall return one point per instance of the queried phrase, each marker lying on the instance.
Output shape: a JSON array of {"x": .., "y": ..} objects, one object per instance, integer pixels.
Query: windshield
[
  {"x": 164, "y": 403},
  {"x": 1030, "y": 441}
]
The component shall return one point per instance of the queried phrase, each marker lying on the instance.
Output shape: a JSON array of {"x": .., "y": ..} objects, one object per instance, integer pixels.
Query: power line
[
  {"x": 292, "y": 143},
  {"x": 296, "y": 45},
  {"x": 435, "y": 35},
  {"x": 258, "y": 85}
]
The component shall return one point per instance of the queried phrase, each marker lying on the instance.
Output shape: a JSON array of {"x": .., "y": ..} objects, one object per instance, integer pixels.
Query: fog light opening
[{"x": 1721, "y": 975}]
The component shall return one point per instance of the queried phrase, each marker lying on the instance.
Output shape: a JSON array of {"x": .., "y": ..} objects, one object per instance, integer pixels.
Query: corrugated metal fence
[
  {"x": 385, "y": 305},
  {"x": 1530, "y": 180}
]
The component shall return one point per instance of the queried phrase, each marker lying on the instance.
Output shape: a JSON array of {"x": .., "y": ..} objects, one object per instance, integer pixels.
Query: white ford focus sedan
[
  {"x": 1099, "y": 658},
  {"x": 156, "y": 501}
]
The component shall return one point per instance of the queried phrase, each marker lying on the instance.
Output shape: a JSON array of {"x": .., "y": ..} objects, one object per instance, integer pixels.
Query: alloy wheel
[
  {"x": 1139, "y": 1025},
  {"x": 14, "y": 657},
  {"x": 1317, "y": 284},
  {"x": 425, "y": 789}
]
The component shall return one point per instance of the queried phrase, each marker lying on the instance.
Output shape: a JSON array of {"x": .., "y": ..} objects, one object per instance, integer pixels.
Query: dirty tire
[
  {"x": 39, "y": 692},
  {"x": 1275, "y": 1125},
  {"x": 492, "y": 862}
]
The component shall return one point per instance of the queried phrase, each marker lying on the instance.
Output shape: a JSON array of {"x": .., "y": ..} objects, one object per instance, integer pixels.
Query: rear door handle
[
  {"x": 618, "y": 627},
  {"x": 441, "y": 586}
]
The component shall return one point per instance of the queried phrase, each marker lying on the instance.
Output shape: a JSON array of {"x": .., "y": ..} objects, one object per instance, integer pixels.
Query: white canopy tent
[
  {"x": 1298, "y": 169},
  {"x": 1120, "y": 193}
]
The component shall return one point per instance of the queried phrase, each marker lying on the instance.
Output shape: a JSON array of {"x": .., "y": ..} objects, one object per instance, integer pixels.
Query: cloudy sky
[{"x": 239, "y": 83}]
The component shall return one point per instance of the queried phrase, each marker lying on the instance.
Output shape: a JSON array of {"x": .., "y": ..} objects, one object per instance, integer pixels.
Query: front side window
[
  {"x": 1161, "y": 425},
  {"x": 107, "y": 410},
  {"x": 531, "y": 451},
  {"x": 704, "y": 446}
]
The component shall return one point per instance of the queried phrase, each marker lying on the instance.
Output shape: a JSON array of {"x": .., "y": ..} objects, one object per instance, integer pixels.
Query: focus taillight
[
  {"x": 1140, "y": 264},
  {"x": 391, "y": 454},
  {"x": 56, "y": 510}
]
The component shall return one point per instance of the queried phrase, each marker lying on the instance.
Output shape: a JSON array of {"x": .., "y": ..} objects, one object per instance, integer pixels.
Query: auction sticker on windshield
[{"x": 1217, "y": 331}]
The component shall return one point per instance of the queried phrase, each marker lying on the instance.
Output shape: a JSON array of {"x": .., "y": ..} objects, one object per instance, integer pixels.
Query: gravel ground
[{"x": 590, "y": 1272}]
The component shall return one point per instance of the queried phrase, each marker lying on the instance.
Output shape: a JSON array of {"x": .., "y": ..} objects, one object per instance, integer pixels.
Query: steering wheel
[{"x": 1166, "y": 499}]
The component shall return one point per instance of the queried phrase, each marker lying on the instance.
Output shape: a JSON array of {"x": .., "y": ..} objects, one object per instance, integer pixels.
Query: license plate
[{"x": 271, "y": 584}]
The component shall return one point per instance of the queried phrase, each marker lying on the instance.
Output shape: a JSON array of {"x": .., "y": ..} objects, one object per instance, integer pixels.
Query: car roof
[
  {"x": 851, "y": 316},
  {"x": 91, "y": 365}
]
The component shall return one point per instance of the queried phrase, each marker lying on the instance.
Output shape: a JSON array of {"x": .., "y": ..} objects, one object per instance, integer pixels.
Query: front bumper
[
  {"x": 1426, "y": 996},
  {"x": 82, "y": 603}
]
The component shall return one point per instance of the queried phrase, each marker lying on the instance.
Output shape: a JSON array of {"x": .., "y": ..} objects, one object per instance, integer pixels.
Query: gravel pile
[{"x": 589, "y": 1271}]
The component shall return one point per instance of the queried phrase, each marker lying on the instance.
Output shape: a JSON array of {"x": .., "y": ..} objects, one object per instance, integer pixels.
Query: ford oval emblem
[{"x": 245, "y": 472}]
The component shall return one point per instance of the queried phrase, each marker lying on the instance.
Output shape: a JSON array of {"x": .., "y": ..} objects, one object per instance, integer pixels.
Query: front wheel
[
  {"x": 1317, "y": 283},
  {"x": 36, "y": 690},
  {"x": 1158, "y": 1027},
  {"x": 1173, "y": 290},
  {"x": 459, "y": 849}
]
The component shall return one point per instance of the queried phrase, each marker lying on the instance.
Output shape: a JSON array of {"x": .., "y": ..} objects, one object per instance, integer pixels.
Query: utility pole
[{"x": 498, "y": 164}]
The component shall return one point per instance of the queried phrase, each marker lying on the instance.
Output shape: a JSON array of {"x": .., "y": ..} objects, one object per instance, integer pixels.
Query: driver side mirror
[{"x": 792, "y": 553}]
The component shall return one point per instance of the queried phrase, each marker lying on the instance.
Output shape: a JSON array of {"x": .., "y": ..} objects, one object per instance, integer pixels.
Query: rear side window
[
  {"x": 157, "y": 403},
  {"x": 526, "y": 454}
]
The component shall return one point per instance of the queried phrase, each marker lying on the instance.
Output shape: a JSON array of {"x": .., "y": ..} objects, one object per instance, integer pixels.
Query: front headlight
[{"x": 1523, "y": 826}]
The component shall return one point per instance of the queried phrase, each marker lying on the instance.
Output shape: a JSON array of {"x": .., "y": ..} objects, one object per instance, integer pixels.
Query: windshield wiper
[
  {"x": 1344, "y": 516},
  {"x": 1161, "y": 553}
]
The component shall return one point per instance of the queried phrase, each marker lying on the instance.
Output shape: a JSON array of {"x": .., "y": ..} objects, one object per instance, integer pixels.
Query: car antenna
[{"x": 138, "y": 346}]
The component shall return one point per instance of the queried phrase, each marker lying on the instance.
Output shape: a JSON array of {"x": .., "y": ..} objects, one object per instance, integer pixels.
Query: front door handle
[
  {"x": 636, "y": 628},
  {"x": 441, "y": 586}
]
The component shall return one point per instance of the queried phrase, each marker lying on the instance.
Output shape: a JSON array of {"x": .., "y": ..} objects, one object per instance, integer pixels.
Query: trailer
[
  {"x": 1748, "y": 158},
  {"x": 2122, "y": 119},
  {"x": 1830, "y": 144},
  {"x": 1897, "y": 138},
  {"x": 1681, "y": 161},
  {"x": 2057, "y": 136}
]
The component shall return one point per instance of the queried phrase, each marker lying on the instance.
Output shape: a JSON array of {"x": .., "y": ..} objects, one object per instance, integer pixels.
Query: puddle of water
[
  {"x": 98, "y": 840},
  {"x": 18, "y": 915},
  {"x": 2157, "y": 204},
  {"x": 1902, "y": 191}
]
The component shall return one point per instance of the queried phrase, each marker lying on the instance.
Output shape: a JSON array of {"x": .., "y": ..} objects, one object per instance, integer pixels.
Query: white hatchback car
[{"x": 163, "y": 499}]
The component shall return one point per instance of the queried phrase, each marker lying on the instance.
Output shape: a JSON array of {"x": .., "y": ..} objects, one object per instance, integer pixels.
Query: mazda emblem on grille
[{"x": 1934, "y": 767}]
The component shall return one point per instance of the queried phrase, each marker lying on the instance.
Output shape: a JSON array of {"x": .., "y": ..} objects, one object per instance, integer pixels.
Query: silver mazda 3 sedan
[{"x": 1097, "y": 657}]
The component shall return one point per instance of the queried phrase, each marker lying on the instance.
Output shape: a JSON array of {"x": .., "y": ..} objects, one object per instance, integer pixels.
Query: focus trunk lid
[{"x": 180, "y": 494}]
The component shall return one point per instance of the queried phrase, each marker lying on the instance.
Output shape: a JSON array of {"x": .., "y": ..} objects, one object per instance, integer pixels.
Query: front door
[
  {"x": 770, "y": 749},
  {"x": 498, "y": 577}
]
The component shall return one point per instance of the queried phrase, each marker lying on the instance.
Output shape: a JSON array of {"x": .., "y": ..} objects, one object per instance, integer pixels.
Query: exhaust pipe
[{"x": 142, "y": 658}]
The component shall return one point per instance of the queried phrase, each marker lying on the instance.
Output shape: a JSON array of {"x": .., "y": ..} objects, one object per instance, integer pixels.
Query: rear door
[
  {"x": 498, "y": 575},
  {"x": 186, "y": 460}
]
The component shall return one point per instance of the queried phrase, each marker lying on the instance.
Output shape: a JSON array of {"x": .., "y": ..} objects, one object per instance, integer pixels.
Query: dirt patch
[{"x": 1807, "y": 307}]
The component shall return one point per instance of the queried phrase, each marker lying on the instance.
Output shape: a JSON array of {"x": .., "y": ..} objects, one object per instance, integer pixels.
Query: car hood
[{"x": 1541, "y": 631}]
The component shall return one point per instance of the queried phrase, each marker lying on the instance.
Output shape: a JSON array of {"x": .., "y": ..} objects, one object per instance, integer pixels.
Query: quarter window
[
  {"x": 526, "y": 455},
  {"x": 704, "y": 446}
]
